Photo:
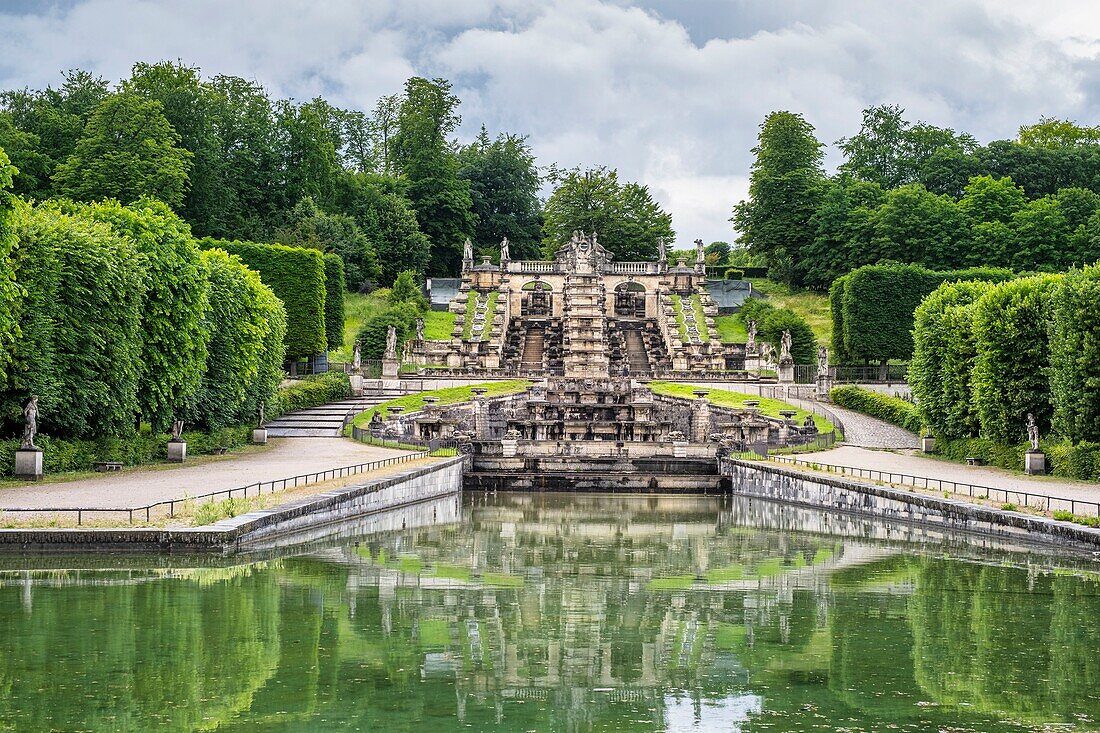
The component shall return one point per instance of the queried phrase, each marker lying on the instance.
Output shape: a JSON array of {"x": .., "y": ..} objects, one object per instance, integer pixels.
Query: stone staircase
[
  {"x": 637, "y": 345},
  {"x": 325, "y": 421},
  {"x": 533, "y": 348},
  {"x": 584, "y": 326}
]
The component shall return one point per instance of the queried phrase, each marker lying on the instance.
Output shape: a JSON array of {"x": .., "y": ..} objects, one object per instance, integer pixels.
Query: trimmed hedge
[
  {"x": 872, "y": 307},
  {"x": 1081, "y": 461},
  {"x": 1075, "y": 355},
  {"x": 893, "y": 410},
  {"x": 311, "y": 392},
  {"x": 10, "y": 294},
  {"x": 334, "y": 300},
  {"x": 297, "y": 277}
]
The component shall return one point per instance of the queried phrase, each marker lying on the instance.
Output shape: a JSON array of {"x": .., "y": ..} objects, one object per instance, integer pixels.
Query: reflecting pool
[{"x": 563, "y": 613}]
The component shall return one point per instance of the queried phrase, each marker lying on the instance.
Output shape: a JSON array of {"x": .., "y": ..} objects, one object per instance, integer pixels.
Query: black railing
[
  {"x": 255, "y": 489},
  {"x": 1016, "y": 497}
]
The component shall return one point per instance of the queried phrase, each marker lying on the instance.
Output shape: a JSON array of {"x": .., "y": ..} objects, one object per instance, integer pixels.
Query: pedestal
[
  {"x": 357, "y": 385},
  {"x": 177, "y": 451},
  {"x": 1035, "y": 462},
  {"x": 390, "y": 367},
  {"x": 928, "y": 444},
  {"x": 510, "y": 447},
  {"x": 786, "y": 373},
  {"x": 824, "y": 387},
  {"x": 259, "y": 436},
  {"x": 28, "y": 464},
  {"x": 679, "y": 449}
]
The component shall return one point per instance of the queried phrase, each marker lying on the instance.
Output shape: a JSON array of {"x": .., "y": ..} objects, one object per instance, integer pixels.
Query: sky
[{"x": 669, "y": 92}]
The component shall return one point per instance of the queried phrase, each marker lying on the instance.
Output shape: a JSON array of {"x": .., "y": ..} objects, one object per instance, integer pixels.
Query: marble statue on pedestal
[{"x": 30, "y": 429}]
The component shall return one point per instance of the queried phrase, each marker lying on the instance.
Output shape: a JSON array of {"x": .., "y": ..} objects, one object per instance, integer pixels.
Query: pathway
[
  {"x": 286, "y": 457},
  {"x": 327, "y": 420}
]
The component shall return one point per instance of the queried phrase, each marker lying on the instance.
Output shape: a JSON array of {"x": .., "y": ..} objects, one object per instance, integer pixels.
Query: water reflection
[{"x": 572, "y": 613}]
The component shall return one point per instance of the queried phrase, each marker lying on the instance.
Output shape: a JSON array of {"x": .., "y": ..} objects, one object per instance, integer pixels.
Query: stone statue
[
  {"x": 1032, "y": 432},
  {"x": 504, "y": 254},
  {"x": 468, "y": 250},
  {"x": 391, "y": 343},
  {"x": 420, "y": 327},
  {"x": 594, "y": 242},
  {"x": 260, "y": 424},
  {"x": 785, "y": 347},
  {"x": 357, "y": 357},
  {"x": 822, "y": 361},
  {"x": 767, "y": 352},
  {"x": 577, "y": 236},
  {"x": 30, "y": 414},
  {"x": 662, "y": 250},
  {"x": 751, "y": 343},
  {"x": 700, "y": 254},
  {"x": 177, "y": 431}
]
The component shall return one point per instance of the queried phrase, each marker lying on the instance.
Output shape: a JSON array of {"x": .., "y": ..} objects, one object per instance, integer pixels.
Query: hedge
[
  {"x": 872, "y": 307},
  {"x": 1081, "y": 461},
  {"x": 335, "y": 287},
  {"x": 893, "y": 410},
  {"x": 311, "y": 392},
  {"x": 1010, "y": 338},
  {"x": 297, "y": 277},
  {"x": 10, "y": 294},
  {"x": 1075, "y": 355},
  {"x": 943, "y": 358}
]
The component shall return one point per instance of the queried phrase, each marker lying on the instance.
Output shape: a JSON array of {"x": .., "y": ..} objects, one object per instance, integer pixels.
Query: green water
[{"x": 563, "y": 614}]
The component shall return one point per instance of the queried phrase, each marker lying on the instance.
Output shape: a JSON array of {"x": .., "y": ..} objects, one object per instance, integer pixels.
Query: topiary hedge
[
  {"x": 10, "y": 293},
  {"x": 334, "y": 301},
  {"x": 893, "y": 410},
  {"x": 312, "y": 392},
  {"x": 1075, "y": 355},
  {"x": 297, "y": 277}
]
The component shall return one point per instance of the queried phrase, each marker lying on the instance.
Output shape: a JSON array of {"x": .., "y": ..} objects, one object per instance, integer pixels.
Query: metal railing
[
  {"x": 1017, "y": 497},
  {"x": 255, "y": 489}
]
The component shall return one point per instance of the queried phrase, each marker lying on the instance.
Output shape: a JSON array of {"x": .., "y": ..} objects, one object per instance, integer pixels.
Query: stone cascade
[
  {"x": 533, "y": 347},
  {"x": 636, "y": 348},
  {"x": 584, "y": 325},
  {"x": 701, "y": 351}
]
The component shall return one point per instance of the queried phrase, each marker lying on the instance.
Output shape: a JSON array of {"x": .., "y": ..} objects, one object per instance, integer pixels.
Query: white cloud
[{"x": 671, "y": 95}]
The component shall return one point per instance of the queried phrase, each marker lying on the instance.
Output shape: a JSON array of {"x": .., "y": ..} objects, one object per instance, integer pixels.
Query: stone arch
[
  {"x": 630, "y": 299},
  {"x": 537, "y": 298}
]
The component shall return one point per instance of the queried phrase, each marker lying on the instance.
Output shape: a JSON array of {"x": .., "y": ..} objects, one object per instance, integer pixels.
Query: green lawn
[
  {"x": 438, "y": 325},
  {"x": 448, "y": 396},
  {"x": 357, "y": 309},
  {"x": 731, "y": 330},
  {"x": 811, "y": 305},
  {"x": 490, "y": 308},
  {"x": 700, "y": 317},
  {"x": 727, "y": 398},
  {"x": 678, "y": 309}
]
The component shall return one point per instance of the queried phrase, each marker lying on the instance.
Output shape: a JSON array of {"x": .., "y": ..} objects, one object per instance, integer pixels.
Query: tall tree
[
  {"x": 1051, "y": 132},
  {"x": 785, "y": 187},
  {"x": 128, "y": 150},
  {"x": 384, "y": 217},
  {"x": 915, "y": 225},
  {"x": 308, "y": 152},
  {"x": 309, "y": 226},
  {"x": 504, "y": 185},
  {"x": 424, "y": 155}
]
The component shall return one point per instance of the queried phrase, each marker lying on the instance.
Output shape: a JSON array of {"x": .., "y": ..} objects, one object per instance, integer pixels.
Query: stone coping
[
  {"x": 222, "y": 536},
  {"x": 1033, "y": 528}
]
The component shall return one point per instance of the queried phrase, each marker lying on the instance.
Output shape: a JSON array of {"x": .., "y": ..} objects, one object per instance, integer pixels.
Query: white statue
[
  {"x": 662, "y": 250},
  {"x": 504, "y": 254},
  {"x": 420, "y": 326},
  {"x": 177, "y": 430},
  {"x": 751, "y": 343},
  {"x": 785, "y": 347},
  {"x": 468, "y": 250},
  {"x": 356, "y": 357},
  {"x": 260, "y": 424},
  {"x": 700, "y": 255},
  {"x": 1032, "y": 432},
  {"x": 391, "y": 344},
  {"x": 822, "y": 361},
  {"x": 30, "y": 414}
]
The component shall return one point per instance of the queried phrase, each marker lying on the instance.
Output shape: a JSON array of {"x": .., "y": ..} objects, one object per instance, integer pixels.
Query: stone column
[
  {"x": 481, "y": 413},
  {"x": 28, "y": 464},
  {"x": 700, "y": 419},
  {"x": 1035, "y": 462}
]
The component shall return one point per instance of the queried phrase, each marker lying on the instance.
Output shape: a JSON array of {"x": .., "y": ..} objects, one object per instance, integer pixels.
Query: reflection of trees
[{"x": 168, "y": 655}]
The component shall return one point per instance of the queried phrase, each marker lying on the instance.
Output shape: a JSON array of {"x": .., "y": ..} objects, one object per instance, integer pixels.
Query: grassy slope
[
  {"x": 731, "y": 330},
  {"x": 358, "y": 308},
  {"x": 448, "y": 396},
  {"x": 438, "y": 325},
  {"x": 726, "y": 398},
  {"x": 812, "y": 306}
]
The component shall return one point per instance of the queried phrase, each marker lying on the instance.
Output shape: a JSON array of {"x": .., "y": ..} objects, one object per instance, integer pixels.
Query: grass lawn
[
  {"x": 731, "y": 330},
  {"x": 678, "y": 309},
  {"x": 700, "y": 317},
  {"x": 438, "y": 325},
  {"x": 448, "y": 396},
  {"x": 726, "y": 398},
  {"x": 811, "y": 305},
  {"x": 357, "y": 309}
]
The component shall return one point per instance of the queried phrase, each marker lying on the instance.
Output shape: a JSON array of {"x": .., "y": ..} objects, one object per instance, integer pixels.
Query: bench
[
  {"x": 975, "y": 461},
  {"x": 107, "y": 466}
]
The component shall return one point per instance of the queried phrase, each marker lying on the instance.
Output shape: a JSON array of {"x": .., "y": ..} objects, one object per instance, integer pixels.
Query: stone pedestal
[
  {"x": 786, "y": 373},
  {"x": 1035, "y": 462},
  {"x": 28, "y": 464},
  {"x": 177, "y": 451},
  {"x": 357, "y": 385},
  {"x": 259, "y": 436},
  {"x": 928, "y": 444},
  {"x": 824, "y": 387},
  {"x": 510, "y": 446},
  {"x": 390, "y": 367},
  {"x": 679, "y": 449}
]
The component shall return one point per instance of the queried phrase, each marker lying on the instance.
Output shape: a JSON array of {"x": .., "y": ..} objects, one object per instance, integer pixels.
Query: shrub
[
  {"x": 406, "y": 289},
  {"x": 312, "y": 392},
  {"x": 1009, "y": 380},
  {"x": 836, "y": 311},
  {"x": 297, "y": 277},
  {"x": 334, "y": 301},
  {"x": 1075, "y": 355},
  {"x": 803, "y": 342},
  {"x": 373, "y": 334},
  {"x": 734, "y": 273},
  {"x": 891, "y": 409}
]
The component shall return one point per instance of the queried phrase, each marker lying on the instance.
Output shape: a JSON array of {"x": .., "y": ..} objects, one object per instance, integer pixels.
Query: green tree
[
  {"x": 785, "y": 187},
  {"x": 1040, "y": 237},
  {"x": 915, "y": 225},
  {"x": 335, "y": 288},
  {"x": 717, "y": 253},
  {"x": 309, "y": 226},
  {"x": 386, "y": 219},
  {"x": 128, "y": 150},
  {"x": 304, "y": 142},
  {"x": 423, "y": 154},
  {"x": 406, "y": 289},
  {"x": 1050, "y": 132},
  {"x": 844, "y": 230},
  {"x": 1075, "y": 355},
  {"x": 504, "y": 185}
]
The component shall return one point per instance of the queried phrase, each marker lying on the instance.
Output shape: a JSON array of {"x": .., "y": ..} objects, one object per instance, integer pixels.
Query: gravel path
[
  {"x": 870, "y": 432},
  {"x": 138, "y": 487}
]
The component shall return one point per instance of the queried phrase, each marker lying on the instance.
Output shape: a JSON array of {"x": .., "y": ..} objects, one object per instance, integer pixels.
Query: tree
[
  {"x": 128, "y": 150},
  {"x": 1075, "y": 355},
  {"x": 309, "y": 226},
  {"x": 1051, "y": 132},
  {"x": 785, "y": 187},
  {"x": 10, "y": 292},
  {"x": 384, "y": 217},
  {"x": 917, "y": 226},
  {"x": 843, "y": 227},
  {"x": 504, "y": 185},
  {"x": 625, "y": 217},
  {"x": 422, "y": 153},
  {"x": 305, "y": 144},
  {"x": 1040, "y": 237},
  {"x": 717, "y": 253},
  {"x": 406, "y": 289}
]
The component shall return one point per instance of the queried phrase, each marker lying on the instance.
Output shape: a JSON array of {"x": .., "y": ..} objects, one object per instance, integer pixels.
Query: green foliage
[
  {"x": 173, "y": 336},
  {"x": 128, "y": 150},
  {"x": 891, "y": 409},
  {"x": 334, "y": 300},
  {"x": 406, "y": 289},
  {"x": 309, "y": 226},
  {"x": 625, "y": 217},
  {"x": 785, "y": 187},
  {"x": 504, "y": 188},
  {"x": 1075, "y": 355},
  {"x": 79, "y": 341},
  {"x": 297, "y": 277},
  {"x": 373, "y": 336},
  {"x": 311, "y": 392},
  {"x": 10, "y": 294},
  {"x": 733, "y": 273},
  {"x": 388, "y": 222},
  {"x": 1010, "y": 333},
  {"x": 915, "y": 225},
  {"x": 241, "y": 367},
  {"x": 940, "y": 373},
  {"x": 840, "y": 353}
]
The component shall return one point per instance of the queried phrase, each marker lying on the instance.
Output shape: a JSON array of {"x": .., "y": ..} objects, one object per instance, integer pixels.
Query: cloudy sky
[{"x": 670, "y": 92}]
